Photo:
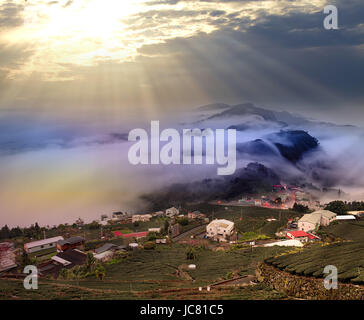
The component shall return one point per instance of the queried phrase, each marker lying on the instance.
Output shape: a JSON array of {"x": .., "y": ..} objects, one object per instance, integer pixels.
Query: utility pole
[{"x": 44, "y": 234}]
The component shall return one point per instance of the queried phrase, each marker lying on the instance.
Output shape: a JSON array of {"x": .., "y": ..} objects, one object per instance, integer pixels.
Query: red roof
[
  {"x": 131, "y": 235},
  {"x": 117, "y": 233},
  {"x": 299, "y": 234}
]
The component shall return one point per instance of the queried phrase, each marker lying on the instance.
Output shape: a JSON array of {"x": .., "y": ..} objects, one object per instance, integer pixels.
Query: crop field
[
  {"x": 250, "y": 219},
  {"x": 348, "y": 257},
  {"x": 346, "y": 230},
  {"x": 14, "y": 290},
  {"x": 153, "y": 274},
  {"x": 211, "y": 265}
]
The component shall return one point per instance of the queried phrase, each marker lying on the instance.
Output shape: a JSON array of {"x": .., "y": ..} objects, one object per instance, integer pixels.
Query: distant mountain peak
[{"x": 246, "y": 109}]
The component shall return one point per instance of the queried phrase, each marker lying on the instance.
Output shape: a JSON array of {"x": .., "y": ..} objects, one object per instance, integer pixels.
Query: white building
[
  {"x": 158, "y": 214},
  {"x": 133, "y": 245},
  {"x": 158, "y": 241},
  {"x": 171, "y": 212},
  {"x": 104, "y": 256},
  {"x": 345, "y": 217},
  {"x": 141, "y": 217},
  {"x": 326, "y": 217},
  {"x": 117, "y": 216},
  {"x": 312, "y": 221},
  {"x": 156, "y": 230},
  {"x": 309, "y": 222},
  {"x": 103, "y": 222},
  {"x": 220, "y": 229},
  {"x": 285, "y": 243},
  {"x": 40, "y": 245}
]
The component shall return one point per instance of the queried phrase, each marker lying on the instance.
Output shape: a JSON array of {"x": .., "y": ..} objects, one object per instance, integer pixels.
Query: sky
[{"x": 74, "y": 72}]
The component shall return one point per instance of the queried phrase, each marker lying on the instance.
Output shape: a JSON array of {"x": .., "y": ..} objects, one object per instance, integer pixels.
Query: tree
[
  {"x": 63, "y": 273},
  {"x": 25, "y": 260},
  {"x": 190, "y": 253},
  {"x": 337, "y": 206},
  {"x": 166, "y": 226},
  {"x": 300, "y": 208},
  {"x": 94, "y": 225},
  {"x": 78, "y": 273},
  {"x": 151, "y": 236},
  {"x": 16, "y": 232},
  {"x": 100, "y": 272},
  {"x": 90, "y": 262},
  {"x": 37, "y": 228},
  {"x": 149, "y": 245},
  {"x": 183, "y": 221},
  {"x": 5, "y": 232}
]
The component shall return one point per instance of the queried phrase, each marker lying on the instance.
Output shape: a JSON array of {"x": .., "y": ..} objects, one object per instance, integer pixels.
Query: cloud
[
  {"x": 10, "y": 15},
  {"x": 276, "y": 55}
]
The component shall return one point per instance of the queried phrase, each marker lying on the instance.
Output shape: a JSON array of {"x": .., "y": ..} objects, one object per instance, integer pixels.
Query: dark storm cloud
[{"x": 289, "y": 58}]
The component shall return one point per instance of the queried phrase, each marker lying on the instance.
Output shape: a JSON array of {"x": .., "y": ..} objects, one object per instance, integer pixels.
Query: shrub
[
  {"x": 229, "y": 276},
  {"x": 183, "y": 221},
  {"x": 190, "y": 254},
  {"x": 149, "y": 245}
]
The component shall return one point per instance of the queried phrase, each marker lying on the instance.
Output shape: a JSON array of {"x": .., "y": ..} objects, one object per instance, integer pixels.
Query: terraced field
[
  {"x": 346, "y": 230},
  {"x": 348, "y": 257}
]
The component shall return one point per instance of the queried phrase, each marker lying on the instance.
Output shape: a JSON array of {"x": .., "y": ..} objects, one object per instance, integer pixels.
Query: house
[
  {"x": 79, "y": 222},
  {"x": 40, "y": 245},
  {"x": 159, "y": 214},
  {"x": 220, "y": 230},
  {"x": 301, "y": 236},
  {"x": 67, "y": 260},
  {"x": 104, "y": 217},
  {"x": 326, "y": 216},
  {"x": 195, "y": 215},
  {"x": 257, "y": 202},
  {"x": 103, "y": 222},
  {"x": 7, "y": 256},
  {"x": 133, "y": 245},
  {"x": 309, "y": 222},
  {"x": 106, "y": 252},
  {"x": 345, "y": 217},
  {"x": 70, "y": 258},
  {"x": 106, "y": 247},
  {"x": 141, "y": 217},
  {"x": 118, "y": 216},
  {"x": 314, "y": 220},
  {"x": 71, "y": 243},
  {"x": 171, "y": 212},
  {"x": 161, "y": 241},
  {"x": 156, "y": 230},
  {"x": 104, "y": 256}
]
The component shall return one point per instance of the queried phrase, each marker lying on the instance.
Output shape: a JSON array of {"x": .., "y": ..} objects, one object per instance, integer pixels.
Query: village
[{"x": 88, "y": 251}]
